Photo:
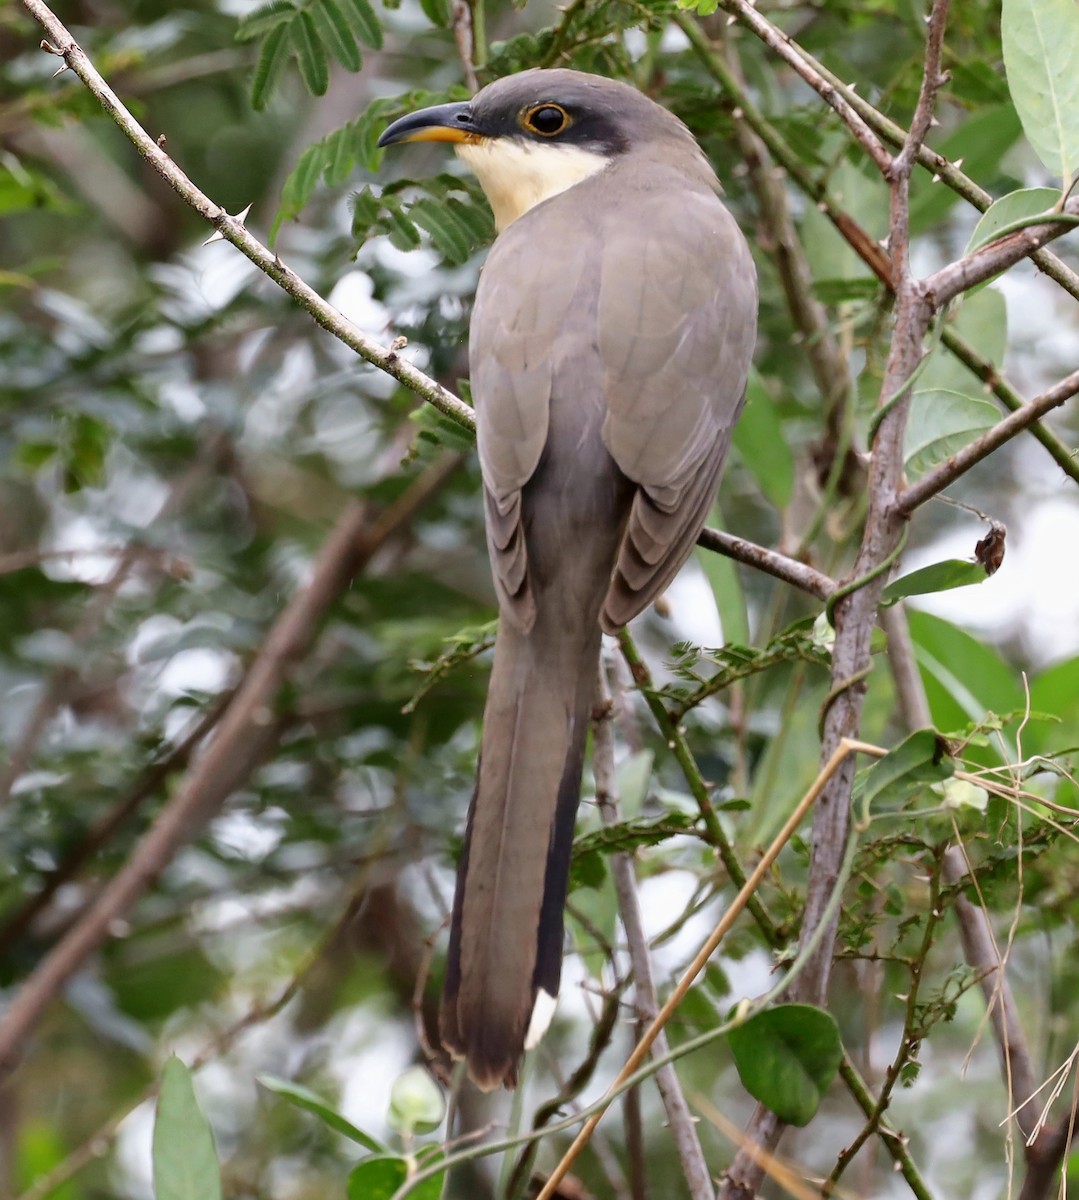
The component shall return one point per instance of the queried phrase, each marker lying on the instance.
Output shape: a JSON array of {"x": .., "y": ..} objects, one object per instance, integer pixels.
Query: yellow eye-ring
[{"x": 548, "y": 120}]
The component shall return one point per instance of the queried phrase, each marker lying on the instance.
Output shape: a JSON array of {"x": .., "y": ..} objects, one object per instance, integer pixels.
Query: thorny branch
[
  {"x": 856, "y": 613},
  {"x": 863, "y": 244}
]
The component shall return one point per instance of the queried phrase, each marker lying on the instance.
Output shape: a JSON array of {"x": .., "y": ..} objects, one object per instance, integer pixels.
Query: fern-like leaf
[
  {"x": 335, "y": 33},
  {"x": 264, "y": 19},
  {"x": 361, "y": 17},
  {"x": 272, "y": 58},
  {"x": 310, "y": 54}
]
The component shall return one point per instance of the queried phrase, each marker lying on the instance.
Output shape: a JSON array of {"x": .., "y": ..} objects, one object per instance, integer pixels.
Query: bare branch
[
  {"x": 893, "y": 134},
  {"x": 789, "y": 570},
  {"x": 462, "y": 35},
  {"x": 958, "y": 464},
  {"x": 932, "y": 81},
  {"x": 353, "y": 541},
  {"x": 980, "y": 951}
]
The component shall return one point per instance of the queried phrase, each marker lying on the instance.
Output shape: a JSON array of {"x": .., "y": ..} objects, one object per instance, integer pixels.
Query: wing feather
[{"x": 677, "y": 322}]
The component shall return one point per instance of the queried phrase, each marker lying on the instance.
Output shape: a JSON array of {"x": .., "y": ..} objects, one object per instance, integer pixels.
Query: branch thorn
[{"x": 218, "y": 235}]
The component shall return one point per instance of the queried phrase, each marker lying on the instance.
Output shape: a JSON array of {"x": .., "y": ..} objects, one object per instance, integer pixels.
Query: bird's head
[{"x": 531, "y": 136}]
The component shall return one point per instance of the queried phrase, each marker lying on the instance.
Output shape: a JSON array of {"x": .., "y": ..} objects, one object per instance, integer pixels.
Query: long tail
[{"x": 506, "y": 937}]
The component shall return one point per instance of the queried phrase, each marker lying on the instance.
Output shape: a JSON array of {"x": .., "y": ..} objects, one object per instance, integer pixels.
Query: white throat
[{"x": 516, "y": 176}]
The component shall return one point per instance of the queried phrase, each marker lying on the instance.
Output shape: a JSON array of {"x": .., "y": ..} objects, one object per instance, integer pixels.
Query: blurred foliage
[{"x": 178, "y": 440}]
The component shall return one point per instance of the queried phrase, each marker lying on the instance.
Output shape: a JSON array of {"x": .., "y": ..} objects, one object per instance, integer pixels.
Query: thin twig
[
  {"x": 981, "y": 953},
  {"x": 679, "y": 1119},
  {"x": 675, "y": 737},
  {"x": 947, "y": 472}
]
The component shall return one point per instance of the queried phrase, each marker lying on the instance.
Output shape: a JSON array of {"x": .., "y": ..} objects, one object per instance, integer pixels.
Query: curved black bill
[{"x": 443, "y": 123}]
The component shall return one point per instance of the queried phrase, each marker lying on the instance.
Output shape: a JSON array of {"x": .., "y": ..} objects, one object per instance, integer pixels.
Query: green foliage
[
  {"x": 450, "y": 211},
  {"x": 919, "y": 760},
  {"x": 942, "y": 422},
  {"x": 307, "y": 1100},
  {"x": 1002, "y": 214},
  {"x": 937, "y": 577},
  {"x": 185, "y": 1161},
  {"x": 787, "y": 1057},
  {"x": 379, "y": 1178},
  {"x": 1041, "y": 57},
  {"x": 312, "y": 31},
  {"x": 693, "y": 665}
]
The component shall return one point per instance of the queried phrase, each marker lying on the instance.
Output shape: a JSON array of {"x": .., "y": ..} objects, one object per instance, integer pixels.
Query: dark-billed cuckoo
[{"x": 610, "y": 342}]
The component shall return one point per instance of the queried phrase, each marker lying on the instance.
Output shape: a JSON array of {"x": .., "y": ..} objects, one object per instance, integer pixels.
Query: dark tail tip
[{"x": 492, "y": 1054}]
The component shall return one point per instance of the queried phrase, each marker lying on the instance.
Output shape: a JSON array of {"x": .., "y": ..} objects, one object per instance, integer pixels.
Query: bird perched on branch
[{"x": 609, "y": 348}]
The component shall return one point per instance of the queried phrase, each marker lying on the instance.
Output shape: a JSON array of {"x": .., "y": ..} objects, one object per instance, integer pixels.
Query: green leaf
[
  {"x": 587, "y": 869},
  {"x": 624, "y": 838},
  {"x": 361, "y": 16},
  {"x": 450, "y": 237},
  {"x": 760, "y": 440},
  {"x": 272, "y": 58},
  {"x": 982, "y": 321},
  {"x": 787, "y": 1057},
  {"x": 185, "y": 1161},
  {"x": 964, "y": 677},
  {"x": 314, "y": 65},
  {"x": 1016, "y": 206},
  {"x": 437, "y": 12},
  {"x": 301, "y": 184},
  {"x": 403, "y": 233},
  {"x": 1041, "y": 58},
  {"x": 335, "y": 33},
  {"x": 940, "y": 423},
  {"x": 304, "y": 1098},
  {"x": 937, "y": 577},
  {"x": 919, "y": 760},
  {"x": 265, "y": 18},
  {"x": 379, "y": 1178}
]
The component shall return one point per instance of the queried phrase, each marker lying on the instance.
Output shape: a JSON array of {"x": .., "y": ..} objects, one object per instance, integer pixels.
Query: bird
[{"x": 609, "y": 348}]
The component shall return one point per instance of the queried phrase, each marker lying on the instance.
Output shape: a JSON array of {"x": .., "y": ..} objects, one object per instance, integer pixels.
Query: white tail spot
[{"x": 542, "y": 1013}]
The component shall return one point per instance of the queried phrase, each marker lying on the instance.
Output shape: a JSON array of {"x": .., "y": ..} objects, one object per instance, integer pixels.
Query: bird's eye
[{"x": 546, "y": 119}]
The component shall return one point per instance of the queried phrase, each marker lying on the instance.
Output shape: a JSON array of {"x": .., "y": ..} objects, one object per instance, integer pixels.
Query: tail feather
[{"x": 507, "y": 929}]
